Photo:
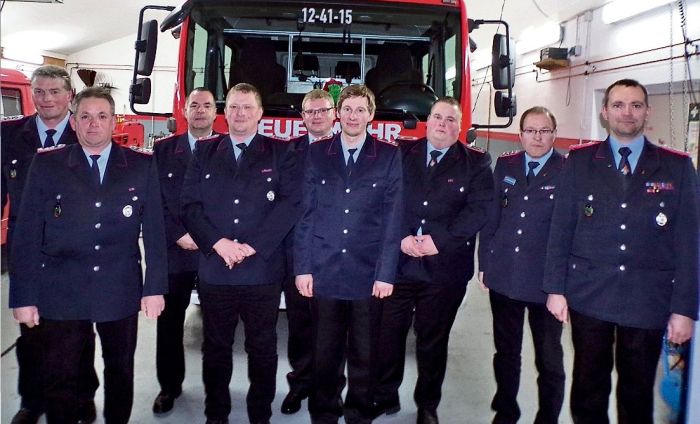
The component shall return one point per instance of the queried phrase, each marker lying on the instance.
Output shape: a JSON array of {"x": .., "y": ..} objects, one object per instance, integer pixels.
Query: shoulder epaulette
[
  {"x": 509, "y": 153},
  {"x": 209, "y": 138},
  {"x": 407, "y": 138},
  {"x": 164, "y": 138},
  {"x": 142, "y": 150},
  {"x": 675, "y": 151},
  {"x": 583, "y": 145},
  {"x": 50, "y": 149},
  {"x": 328, "y": 137},
  {"x": 11, "y": 118},
  {"x": 476, "y": 148},
  {"x": 391, "y": 142}
]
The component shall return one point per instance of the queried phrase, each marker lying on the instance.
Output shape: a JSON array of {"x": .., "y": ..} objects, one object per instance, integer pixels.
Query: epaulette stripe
[
  {"x": 50, "y": 149},
  {"x": 580, "y": 146},
  {"x": 509, "y": 153},
  {"x": 142, "y": 150},
  {"x": 476, "y": 149}
]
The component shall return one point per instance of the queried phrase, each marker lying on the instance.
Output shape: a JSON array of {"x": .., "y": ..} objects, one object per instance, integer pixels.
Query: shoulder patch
[
  {"x": 509, "y": 153},
  {"x": 584, "y": 145},
  {"x": 142, "y": 150},
  {"x": 391, "y": 142},
  {"x": 476, "y": 148},
  {"x": 50, "y": 149},
  {"x": 675, "y": 151}
]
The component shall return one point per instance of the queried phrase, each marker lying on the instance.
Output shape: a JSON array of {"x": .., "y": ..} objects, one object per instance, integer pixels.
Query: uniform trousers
[
  {"x": 66, "y": 342},
  {"x": 343, "y": 329},
  {"x": 170, "y": 352},
  {"x": 508, "y": 321},
  {"x": 300, "y": 340},
  {"x": 256, "y": 306},
  {"x": 636, "y": 358},
  {"x": 432, "y": 308}
]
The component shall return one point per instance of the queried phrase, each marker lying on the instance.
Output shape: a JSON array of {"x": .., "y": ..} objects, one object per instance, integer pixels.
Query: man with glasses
[
  {"x": 512, "y": 246},
  {"x": 622, "y": 259},
  {"x": 318, "y": 113},
  {"x": 173, "y": 154},
  {"x": 239, "y": 201},
  {"x": 51, "y": 93},
  {"x": 346, "y": 253},
  {"x": 447, "y": 189}
]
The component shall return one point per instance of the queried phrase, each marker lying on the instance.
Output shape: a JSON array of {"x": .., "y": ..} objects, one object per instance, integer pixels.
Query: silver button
[
  {"x": 551, "y": 196},
  {"x": 590, "y": 197},
  {"x": 519, "y": 231},
  {"x": 43, "y": 265},
  {"x": 323, "y": 181},
  {"x": 345, "y": 231},
  {"x": 573, "y": 266},
  {"x": 135, "y": 198},
  {"x": 98, "y": 225},
  {"x": 522, "y": 214},
  {"x": 623, "y": 227},
  {"x": 236, "y": 201},
  {"x": 517, "y": 249},
  {"x": 662, "y": 204},
  {"x": 422, "y": 221},
  {"x": 206, "y": 177},
  {"x": 170, "y": 174},
  {"x": 623, "y": 205},
  {"x": 98, "y": 204},
  {"x": 425, "y": 203},
  {"x": 235, "y": 240},
  {"x": 469, "y": 243},
  {"x": 461, "y": 189},
  {"x": 344, "y": 251},
  {"x": 138, "y": 261},
  {"x": 374, "y": 184},
  {"x": 622, "y": 268},
  {"x": 269, "y": 179},
  {"x": 526, "y": 197},
  {"x": 623, "y": 247},
  {"x": 235, "y": 221},
  {"x": 347, "y": 210},
  {"x": 95, "y": 268},
  {"x": 347, "y": 190},
  {"x": 97, "y": 247}
]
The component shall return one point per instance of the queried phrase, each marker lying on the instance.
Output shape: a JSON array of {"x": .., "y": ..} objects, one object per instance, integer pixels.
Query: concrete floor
[{"x": 467, "y": 390}]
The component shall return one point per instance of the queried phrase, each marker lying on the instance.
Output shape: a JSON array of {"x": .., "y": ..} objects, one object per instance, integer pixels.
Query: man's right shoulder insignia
[
  {"x": 50, "y": 149},
  {"x": 583, "y": 145},
  {"x": 509, "y": 153}
]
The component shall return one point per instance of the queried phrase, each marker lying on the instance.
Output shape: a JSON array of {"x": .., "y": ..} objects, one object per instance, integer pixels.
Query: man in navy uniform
[
  {"x": 51, "y": 95},
  {"x": 318, "y": 112},
  {"x": 622, "y": 259},
  {"x": 173, "y": 154},
  {"x": 346, "y": 252},
  {"x": 448, "y": 188},
  {"x": 77, "y": 259},
  {"x": 511, "y": 248},
  {"x": 239, "y": 201}
]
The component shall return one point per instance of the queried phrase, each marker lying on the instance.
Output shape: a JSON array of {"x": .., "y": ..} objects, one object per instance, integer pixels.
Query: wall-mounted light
[
  {"x": 622, "y": 9},
  {"x": 535, "y": 38}
]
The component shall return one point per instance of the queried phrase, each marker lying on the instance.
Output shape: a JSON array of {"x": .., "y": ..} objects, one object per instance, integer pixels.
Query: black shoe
[
  {"x": 165, "y": 401},
  {"x": 26, "y": 416},
  {"x": 217, "y": 421},
  {"x": 292, "y": 402},
  {"x": 389, "y": 408},
  {"x": 427, "y": 416},
  {"x": 87, "y": 413}
]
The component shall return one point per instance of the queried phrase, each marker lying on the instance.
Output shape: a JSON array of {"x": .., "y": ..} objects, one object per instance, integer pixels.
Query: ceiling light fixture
[{"x": 535, "y": 38}]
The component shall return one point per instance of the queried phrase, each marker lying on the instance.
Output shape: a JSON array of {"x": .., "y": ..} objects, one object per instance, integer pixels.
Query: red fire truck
[{"x": 409, "y": 52}]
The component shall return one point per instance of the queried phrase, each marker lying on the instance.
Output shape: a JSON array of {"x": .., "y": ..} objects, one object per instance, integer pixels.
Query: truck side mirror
[
  {"x": 505, "y": 106},
  {"x": 146, "y": 46},
  {"x": 503, "y": 62},
  {"x": 140, "y": 91}
]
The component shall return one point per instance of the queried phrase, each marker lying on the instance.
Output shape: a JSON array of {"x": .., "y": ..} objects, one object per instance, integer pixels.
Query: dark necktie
[
  {"x": 95, "y": 170},
  {"x": 624, "y": 166},
  {"x": 241, "y": 146},
  {"x": 49, "y": 138},
  {"x": 432, "y": 164},
  {"x": 351, "y": 161},
  {"x": 531, "y": 172}
]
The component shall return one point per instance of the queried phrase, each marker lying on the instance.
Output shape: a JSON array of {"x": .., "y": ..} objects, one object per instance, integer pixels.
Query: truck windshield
[{"x": 407, "y": 53}]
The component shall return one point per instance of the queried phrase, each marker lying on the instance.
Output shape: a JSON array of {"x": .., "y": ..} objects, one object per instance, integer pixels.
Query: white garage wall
[
  {"x": 576, "y": 101},
  {"x": 114, "y": 62}
]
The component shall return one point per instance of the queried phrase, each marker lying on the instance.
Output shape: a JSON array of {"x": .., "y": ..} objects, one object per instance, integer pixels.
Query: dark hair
[
  {"x": 245, "y": 88},
  {"x": 199, "y": 90},
  {"x": 53, "y": 71},
  {"x": 450, "y": 101},
  {"x": 627, "y": 82},
  {"x": 93, "y": 93},
  {"x": 538, "y": 110},
  {"x": 357, "y": 90}
]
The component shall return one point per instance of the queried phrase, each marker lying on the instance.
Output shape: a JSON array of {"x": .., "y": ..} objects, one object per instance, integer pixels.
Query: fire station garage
[{"x": 549, "y": 236}]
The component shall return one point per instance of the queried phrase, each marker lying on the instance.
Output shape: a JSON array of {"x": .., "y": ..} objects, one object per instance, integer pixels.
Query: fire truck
[{"x": 409, "y": 52}]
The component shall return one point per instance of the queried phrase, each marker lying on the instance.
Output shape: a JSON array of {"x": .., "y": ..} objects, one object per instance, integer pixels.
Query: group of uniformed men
[{"x": 365, "y": 238}]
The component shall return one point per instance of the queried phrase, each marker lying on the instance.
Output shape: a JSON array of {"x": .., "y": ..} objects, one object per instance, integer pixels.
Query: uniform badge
[
  {"x": 271, "y": 195},
  {"x": 588, "y": 210},
  {"x": 504, "y": 201},
  {"x": 509, "y": 180},
  {"x": 13, "y": 170},
  {"x": 57, "y": 207},
  {"x": 127, "y": 211},
  {"x": 661, "y": 219}
]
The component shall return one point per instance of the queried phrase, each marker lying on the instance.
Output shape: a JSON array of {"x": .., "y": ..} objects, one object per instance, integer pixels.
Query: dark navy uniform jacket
[
  {"x": 20, "y": 140},
  {"x": 626, "y": 257},
  {"x": 255, "y": 201},
  {"x": 513, "y": 244},
  {"x": 298, "y": 147},
  {"x": 451, "y": 206},
  {"x": 77, "y": 253},
  {"x": 173, "y": 154},
  {"x": 350, "y": 233}
]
